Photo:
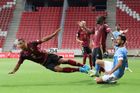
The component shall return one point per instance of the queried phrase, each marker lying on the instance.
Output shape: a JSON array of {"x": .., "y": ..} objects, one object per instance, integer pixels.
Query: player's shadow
[
  {"x": 108, "y": 85},
  {"x": 77, "y": 83}
]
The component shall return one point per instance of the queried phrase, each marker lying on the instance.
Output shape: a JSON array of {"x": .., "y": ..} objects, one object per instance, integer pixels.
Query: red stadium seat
[
  {"x": 6, "y": 15},
  {"x": 35, "y": 25}
]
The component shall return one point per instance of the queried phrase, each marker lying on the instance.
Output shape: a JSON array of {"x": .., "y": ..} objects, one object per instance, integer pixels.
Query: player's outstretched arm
[
  {"x": 51, "y": 36},
  {"x": 83, "y": 26},
  {"x": 124, "y": 31},
  {"x": 116, "y": 67},
  {"x": 88, "y": 30},
  {"x": 15, "y": 69}
]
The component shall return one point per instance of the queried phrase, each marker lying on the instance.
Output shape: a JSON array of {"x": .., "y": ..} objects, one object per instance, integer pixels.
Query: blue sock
[
  {"x": 126, "y": 65},
  {"x": 97, "y": 67}
]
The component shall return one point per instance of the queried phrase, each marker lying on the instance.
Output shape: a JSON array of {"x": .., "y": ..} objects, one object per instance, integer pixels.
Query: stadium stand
[
  {"x": 128, "y": 17},
  {"x": 6, "y": 13},
  {"x": 133, "y": 4},
  {"x": 35, "y": 25}
]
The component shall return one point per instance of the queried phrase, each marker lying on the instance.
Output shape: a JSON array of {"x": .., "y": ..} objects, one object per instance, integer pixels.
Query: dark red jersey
[
  {"x": 100, "y": 31},
  {"x": 84, "y": 36},
  {"x": 33, "y": 53}
]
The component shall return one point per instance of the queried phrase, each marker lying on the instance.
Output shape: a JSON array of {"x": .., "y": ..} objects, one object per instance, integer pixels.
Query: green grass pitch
[{"x": 33, "y": 78}]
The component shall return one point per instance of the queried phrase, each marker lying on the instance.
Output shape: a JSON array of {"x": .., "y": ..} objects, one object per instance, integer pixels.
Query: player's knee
[
  {"x": 97, "y": 62},
  {"x": 58, "y": 69}
]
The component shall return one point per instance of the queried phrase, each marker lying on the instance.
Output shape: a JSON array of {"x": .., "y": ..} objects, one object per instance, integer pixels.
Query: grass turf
[{"x": 33, "y": 78}]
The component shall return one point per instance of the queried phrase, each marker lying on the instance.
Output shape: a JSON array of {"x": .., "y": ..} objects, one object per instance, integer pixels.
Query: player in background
[
  {"x": 84, "y": 39},
  {"x": 113, "y": 70},
  {"x": 31, "y": 51},
  {"x": 119, "y": 31},
  {"x": 98, "y": 31},
  {"x": 116, "y": 34}
]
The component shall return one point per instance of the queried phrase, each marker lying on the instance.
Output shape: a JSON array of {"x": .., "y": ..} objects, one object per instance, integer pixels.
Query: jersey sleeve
[
  {"x": 35, "y": 43},
  {"x": 120, "y": 55}
]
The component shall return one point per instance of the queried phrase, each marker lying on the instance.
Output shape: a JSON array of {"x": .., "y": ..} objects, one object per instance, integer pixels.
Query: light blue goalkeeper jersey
[{"x": 121, "y": 53}]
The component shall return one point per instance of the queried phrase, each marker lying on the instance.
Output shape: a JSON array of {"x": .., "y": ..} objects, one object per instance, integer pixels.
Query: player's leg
[
  {"x": 100, "y": 56},
  {"x": 54, "y": 61},
  {"x": 85, "y": 55},
  {"x": 126, "y": 66},
  {"x": 74, "y": 63},
  {"x": 97, "y": 54},
  {"x": 94, "y": 55},
  {"x": 56, "y": 68},
  {"x": 106, "y": 79},
  {"x": 53, "y": 64},
  {"x": 98, "y": 66},
  {"x": 90, "y": 61},
  {"x": 95, "y": 72},
  {"x": 99, "y": 63},
  {"x": 66, "y": 69},
  {"x": 84, "y": 58},
  {"x": 107, "y": 65},
  {"x": 89, "y": 52},
  {"x": 70, "y": 62}
]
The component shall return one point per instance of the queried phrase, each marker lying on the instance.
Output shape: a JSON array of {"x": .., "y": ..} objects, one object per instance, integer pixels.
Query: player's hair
[
  {"x": 100, "y": 19},
  {"x": 117, "y": 24},
  {"x": 21, "y": 39},
  {"x": 123, "y": 38},
  {"x": 17, "y": 41}
]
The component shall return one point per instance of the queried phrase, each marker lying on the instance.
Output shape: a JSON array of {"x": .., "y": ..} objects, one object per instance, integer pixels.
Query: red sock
[
  {"x": 70, "y": 70},
  {"x": 73, "y": 63},
  {"x": 90, "y": 61},
  {"x": 84, "y": 58}
]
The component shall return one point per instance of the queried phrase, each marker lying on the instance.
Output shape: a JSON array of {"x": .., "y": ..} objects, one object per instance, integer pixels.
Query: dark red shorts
[{"x": 52, "y": 61}]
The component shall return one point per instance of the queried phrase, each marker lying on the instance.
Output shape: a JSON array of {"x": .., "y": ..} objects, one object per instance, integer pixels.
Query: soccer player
[
  {"x": 113, "y": 70},
  {"x": 119, "y": 31},
  {"x": 31, "y": 51},
  {"x": 84, "y": 39},
  {"x": 98, "y": 31},
  {"x": 116, "y": 34}
]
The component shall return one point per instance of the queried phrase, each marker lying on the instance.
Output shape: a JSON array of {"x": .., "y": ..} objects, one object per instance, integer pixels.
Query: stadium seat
[
  {"x": 35, "y": 25},
  {"x": 6, "y": 14}
]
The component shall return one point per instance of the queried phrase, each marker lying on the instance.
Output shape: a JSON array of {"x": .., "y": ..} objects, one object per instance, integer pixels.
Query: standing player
[
  {"x": 98, "y": 30},
  {"x": 84, "y": 39},
  {"x": 113, "y": 70},
  {"x": 30, "y": 51}
]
